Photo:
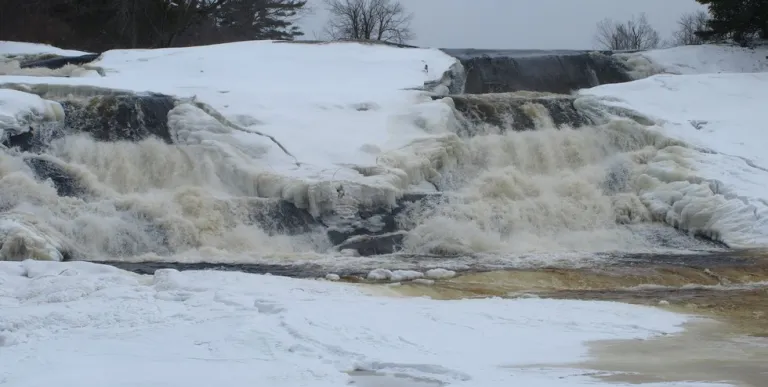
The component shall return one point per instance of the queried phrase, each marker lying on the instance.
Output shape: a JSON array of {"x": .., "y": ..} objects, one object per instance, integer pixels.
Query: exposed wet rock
[
  {"x": 367, "y": 245},
  {"x": 34, "y": 139},
  {"x": 281, "y": 217},
  {"x": 451, "y": 82},
  {"x": 130, "y": 117},
  {"x": 299, "y": 271},
  {"x": 66, "y": 184},
  {"x": 499, "y": 71},
  {"x": 24, "y": 141},
  {"x": 380, "y": 220},
  {"x": 58, "y": 62},
  {"x": 517, "y": 111}
]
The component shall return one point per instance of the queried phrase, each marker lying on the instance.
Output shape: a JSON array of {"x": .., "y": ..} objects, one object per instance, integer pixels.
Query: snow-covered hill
[{"x": 712, "y": 98}]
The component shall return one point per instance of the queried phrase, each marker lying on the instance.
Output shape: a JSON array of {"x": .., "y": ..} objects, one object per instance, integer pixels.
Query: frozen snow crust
[
  {"x": 346, "y": 116},
  {"x": 202, "y": 328},
  {"x": 711, "y": 97}
]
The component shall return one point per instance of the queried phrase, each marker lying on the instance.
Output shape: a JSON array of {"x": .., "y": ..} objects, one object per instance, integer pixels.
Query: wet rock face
[
  {"x": 363, "y": 234},
  {"x": 59, "y": 62},
  {"x": 281, "y": 217},
  {"x": 497, "y": 71},
  {"x": 24, "y": 141},
  {"x": 66, "y": 184},
  {"x": 517, "y": 111},
  {"x": 129, "y": 117},
  {"x": 367, "y": 245},
  {"x": 35, "y": 139}
]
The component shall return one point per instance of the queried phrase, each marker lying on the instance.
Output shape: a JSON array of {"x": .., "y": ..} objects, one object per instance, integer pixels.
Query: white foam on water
[{"x": 331, "y": 148}]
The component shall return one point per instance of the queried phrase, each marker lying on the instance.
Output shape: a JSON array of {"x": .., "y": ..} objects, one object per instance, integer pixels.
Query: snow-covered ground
[
  {"x": 81, "y": 324},
  {"x": 703, "y": 59},
  {"x": 292, "y": 91},
  {"x": 347, "y": 113},
  {"x": 716, "y": 103}
]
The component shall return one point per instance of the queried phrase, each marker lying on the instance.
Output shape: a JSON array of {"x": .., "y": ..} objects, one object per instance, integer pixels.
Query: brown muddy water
[{"x": 728, "y": 344}]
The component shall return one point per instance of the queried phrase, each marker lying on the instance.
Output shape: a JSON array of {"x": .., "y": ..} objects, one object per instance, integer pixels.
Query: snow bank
[
  {"x": 19, "y": 109},
  {"x": 707, "y": 58},
  {"x": 723, "y": 116},
  {"x": 343, "y": 109},
  {"x": 23, "y": 48},
  {"x": 202, "y": 328}
]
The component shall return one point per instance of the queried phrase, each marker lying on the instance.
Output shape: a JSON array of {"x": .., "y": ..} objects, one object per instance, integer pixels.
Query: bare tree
[
  {"x": 688, "y": 25},
  {"x": 633, "y": 34},
  {"x": 384, "y": 20}
]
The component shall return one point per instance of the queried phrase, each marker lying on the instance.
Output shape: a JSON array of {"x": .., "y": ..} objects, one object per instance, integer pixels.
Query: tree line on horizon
[
  {"x": 98, "y": 25},
  {"x": 740, "y": 21}
]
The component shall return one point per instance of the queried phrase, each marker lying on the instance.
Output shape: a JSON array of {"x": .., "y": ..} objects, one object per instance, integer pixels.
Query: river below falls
[{"x": 728, "y": 290}]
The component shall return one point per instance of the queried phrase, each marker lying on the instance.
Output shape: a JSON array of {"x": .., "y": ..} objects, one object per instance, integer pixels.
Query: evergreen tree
[
  {"x": 98, "y": 25},
  {"x": 740, "y": 20},
  {"x": 259, "y": 19}
]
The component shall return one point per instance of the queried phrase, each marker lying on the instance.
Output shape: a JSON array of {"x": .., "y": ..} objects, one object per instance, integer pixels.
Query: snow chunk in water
[
  {"x": 440, "y": 273},
  {"x": 19, "y": 110}
]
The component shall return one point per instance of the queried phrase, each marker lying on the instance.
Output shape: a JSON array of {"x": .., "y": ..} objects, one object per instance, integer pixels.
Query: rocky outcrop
[
  {"x": 24, "y": 141},
  {"x": 110, "y": 115},
  {"x": 59, "y": 62},
  {"x": 107, "y": 115},
  {"x": 367, "y": 245},
  {"x": 500, "y": 71},
  {"x": 131, "y": 117},
  {"x": 516, "y": 111},
  {"x": 66, "y": 184},
  {"x": 374, "y": 229},
  {"x": 281, "y": 217},
  {"x": 451, "y": 82}
]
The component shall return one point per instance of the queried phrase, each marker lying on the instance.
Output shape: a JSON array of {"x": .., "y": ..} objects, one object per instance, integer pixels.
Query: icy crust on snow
[
  {"x": 201, "y": 328},
  {"x": 701, "y": 59},
  {"x": 722, "y": 117}
]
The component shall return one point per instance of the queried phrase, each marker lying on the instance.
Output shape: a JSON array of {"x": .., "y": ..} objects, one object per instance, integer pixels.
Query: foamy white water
[
  {"x": 614, "y": 186},
  {"x": 549, "y": 192}
]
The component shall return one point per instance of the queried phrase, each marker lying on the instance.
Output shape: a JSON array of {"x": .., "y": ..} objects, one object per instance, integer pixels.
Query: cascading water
[{"x": 151, "y": 177}]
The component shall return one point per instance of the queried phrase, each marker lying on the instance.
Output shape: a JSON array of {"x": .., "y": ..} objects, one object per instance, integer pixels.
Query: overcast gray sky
[{"x": 520, "y": 24}]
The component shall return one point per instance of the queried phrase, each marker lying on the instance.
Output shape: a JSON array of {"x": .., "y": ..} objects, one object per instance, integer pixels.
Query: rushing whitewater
[
  {"x": 532, "y": 191},
  {"x": 581, "y": 177}
]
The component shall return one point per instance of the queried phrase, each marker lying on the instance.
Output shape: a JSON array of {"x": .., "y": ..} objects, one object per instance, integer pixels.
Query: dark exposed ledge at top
[{"x": 553, "y": 71}]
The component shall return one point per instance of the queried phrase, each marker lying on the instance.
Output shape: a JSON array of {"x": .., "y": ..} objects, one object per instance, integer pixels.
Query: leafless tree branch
[
  {"x": 688, "y": 25},
  {"x": 383, "y": 20},
  {"x": 634, "y": 34}
]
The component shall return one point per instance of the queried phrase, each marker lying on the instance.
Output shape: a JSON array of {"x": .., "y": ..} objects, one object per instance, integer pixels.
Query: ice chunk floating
[{"x": 214, "y": 154}]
